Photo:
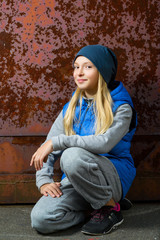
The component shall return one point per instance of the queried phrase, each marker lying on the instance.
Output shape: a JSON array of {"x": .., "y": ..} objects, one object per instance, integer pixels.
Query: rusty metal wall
[{"x": 38, "y": 41}]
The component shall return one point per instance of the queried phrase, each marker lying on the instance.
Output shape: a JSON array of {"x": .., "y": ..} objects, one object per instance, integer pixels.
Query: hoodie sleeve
[
  {"x": 102, "y": 143},
  {"x": 45, "y": 175}
]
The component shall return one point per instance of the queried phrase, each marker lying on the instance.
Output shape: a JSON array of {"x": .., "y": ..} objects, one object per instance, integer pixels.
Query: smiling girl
[{"x": 92, "y": 135}]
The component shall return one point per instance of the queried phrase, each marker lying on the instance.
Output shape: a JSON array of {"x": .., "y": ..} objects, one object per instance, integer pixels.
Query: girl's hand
[
  {"x": 53, "y": 189},
  {"x": 40, "y": 154}
]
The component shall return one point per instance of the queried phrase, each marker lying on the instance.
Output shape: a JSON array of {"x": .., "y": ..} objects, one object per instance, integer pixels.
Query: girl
[{"x": 92, "y": 134}]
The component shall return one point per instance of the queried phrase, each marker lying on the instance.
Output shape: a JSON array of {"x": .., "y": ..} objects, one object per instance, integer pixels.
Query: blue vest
[{"x": 120, "y": 155}]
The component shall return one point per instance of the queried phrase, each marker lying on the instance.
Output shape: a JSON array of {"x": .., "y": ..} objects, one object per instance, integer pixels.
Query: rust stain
[
  {"x": 34, "y": 140},
  {"x": 37, "y": 13},
  {"x": 11, "y": 160},
  {"x": 37, "y": 128}
]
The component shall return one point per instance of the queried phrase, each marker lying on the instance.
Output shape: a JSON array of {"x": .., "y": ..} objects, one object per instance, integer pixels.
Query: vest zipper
[{"x": 88, "y": 106}]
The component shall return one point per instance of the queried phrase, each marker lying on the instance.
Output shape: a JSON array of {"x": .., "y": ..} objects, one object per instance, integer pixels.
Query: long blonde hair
[{"x": 102, "y": 105}]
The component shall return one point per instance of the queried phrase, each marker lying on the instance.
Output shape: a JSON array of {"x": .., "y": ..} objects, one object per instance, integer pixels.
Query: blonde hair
[{"x": 102, "y": 105}]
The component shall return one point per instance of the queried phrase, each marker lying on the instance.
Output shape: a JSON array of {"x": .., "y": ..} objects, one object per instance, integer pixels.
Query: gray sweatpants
[{"x": 91, "y": 181}]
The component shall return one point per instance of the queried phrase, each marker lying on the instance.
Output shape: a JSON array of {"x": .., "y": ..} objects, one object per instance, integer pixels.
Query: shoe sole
[{"x": 96, "y": 234}]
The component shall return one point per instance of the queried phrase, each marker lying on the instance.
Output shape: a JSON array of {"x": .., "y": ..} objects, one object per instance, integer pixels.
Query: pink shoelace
[{"x": 102, "y": 212}]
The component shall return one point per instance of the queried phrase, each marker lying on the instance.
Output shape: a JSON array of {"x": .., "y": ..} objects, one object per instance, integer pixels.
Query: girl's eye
[
  {"x": 76, "y": 67},
  {"x": 88, "y": 66}
]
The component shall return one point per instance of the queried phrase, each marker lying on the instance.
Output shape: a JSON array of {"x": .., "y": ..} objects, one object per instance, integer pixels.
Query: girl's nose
[{"x": 80, "y": 72}]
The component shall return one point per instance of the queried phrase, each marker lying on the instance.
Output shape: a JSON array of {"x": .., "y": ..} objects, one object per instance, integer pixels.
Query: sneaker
[{"x": 103, "y": 220}]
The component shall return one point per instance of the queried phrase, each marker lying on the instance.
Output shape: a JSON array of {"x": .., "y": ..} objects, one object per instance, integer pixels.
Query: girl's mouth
[{"x": 81, "y": 80}]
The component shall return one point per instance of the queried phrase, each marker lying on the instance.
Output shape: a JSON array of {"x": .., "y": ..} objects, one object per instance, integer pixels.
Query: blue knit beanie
[{"x": 103, "y": 58}]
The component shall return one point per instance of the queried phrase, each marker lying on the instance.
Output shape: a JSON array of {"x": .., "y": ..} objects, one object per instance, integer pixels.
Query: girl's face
[{"x": 86, "y": 76}]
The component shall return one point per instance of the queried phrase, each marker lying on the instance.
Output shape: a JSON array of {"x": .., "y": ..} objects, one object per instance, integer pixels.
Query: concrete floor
[{"x": 141, "y": 222}]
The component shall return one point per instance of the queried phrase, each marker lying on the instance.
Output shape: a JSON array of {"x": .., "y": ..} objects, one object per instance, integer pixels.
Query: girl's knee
[
  {"x": 72, "y": 152},
  {"x": 46, "y": 221},
  {"x": 71, "y": 160},
  {"x": 38, "y": 221}
]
